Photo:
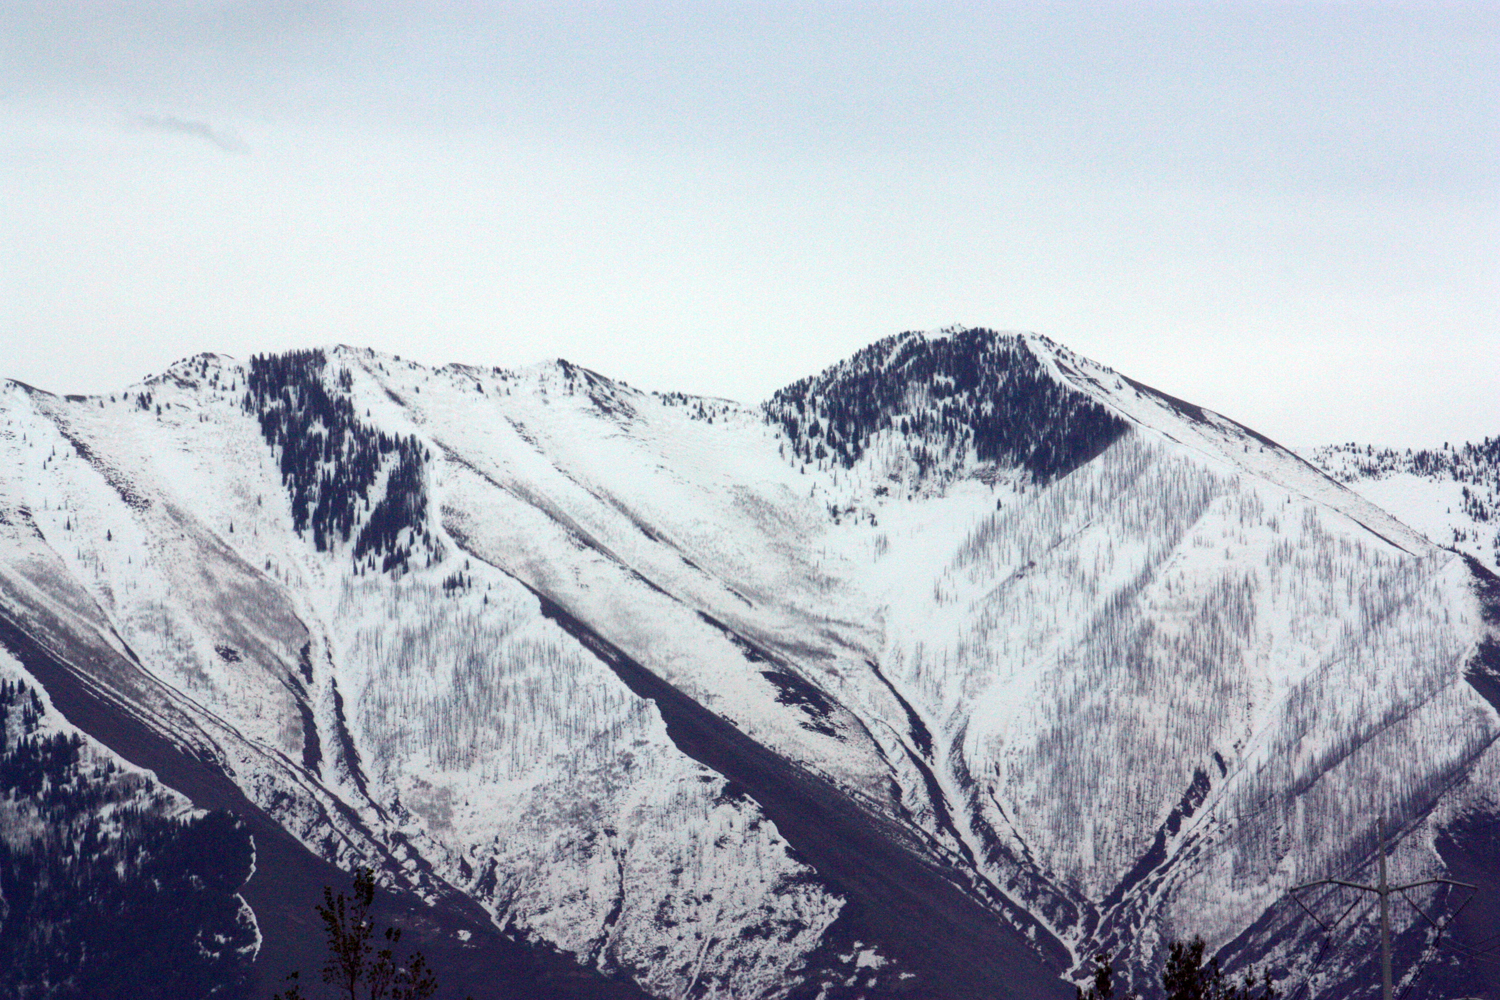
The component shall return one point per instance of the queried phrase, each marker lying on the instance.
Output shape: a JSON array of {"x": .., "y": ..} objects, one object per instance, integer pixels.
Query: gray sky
[{"x": 1286, "y": 212}]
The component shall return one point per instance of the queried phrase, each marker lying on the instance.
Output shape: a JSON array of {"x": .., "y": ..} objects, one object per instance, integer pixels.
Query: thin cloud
[{"x": 202, "y": 130}]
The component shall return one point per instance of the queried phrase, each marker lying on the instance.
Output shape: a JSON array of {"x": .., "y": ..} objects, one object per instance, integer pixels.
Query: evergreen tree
[
  {"x": 1103, "y": 986},
  {"x": 1186, "y": 977}
]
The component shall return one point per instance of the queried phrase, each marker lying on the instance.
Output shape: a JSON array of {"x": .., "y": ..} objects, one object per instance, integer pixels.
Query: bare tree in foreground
[{"x": 356, "y": 969}]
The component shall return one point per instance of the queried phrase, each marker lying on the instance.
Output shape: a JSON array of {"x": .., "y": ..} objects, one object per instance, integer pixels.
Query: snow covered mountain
[{"x": 937, "y": 674}]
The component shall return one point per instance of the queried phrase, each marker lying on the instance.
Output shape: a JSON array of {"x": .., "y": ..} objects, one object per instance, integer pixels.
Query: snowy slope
[
  {"x": 1451, "y": 495},
  {"x": 966, "y": 632}
]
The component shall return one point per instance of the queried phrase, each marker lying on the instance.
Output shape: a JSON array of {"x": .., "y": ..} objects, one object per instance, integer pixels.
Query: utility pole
[
  {"x": 1383, "y": 889},
  {"x": 1385, "y": 921}
]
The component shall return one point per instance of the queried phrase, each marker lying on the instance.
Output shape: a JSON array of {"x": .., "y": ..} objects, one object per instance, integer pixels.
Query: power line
[
  {"x": 1431, "y": 949},
  {"x": 1383, "y": 889},
  {"x": 1307, "y": 978}
]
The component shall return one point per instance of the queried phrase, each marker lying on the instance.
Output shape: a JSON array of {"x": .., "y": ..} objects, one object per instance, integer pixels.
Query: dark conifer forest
[
  {"x": 105, "y": 891},
  {"x": 331, "y": 462},
  {"x": 973, "y": 387}
]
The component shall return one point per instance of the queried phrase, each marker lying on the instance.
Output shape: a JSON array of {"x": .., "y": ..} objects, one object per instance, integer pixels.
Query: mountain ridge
[{"x": 598, "y": 682}]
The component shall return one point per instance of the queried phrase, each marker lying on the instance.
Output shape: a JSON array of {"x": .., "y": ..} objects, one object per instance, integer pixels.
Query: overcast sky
[{"x": 1287, "y": 213}]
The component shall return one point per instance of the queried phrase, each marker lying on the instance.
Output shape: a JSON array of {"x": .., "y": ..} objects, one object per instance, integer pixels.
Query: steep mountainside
[{"x": 945, "y": 669}]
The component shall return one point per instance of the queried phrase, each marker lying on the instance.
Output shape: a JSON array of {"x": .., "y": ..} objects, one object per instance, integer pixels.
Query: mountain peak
[{"x": 956, "y": 396}]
